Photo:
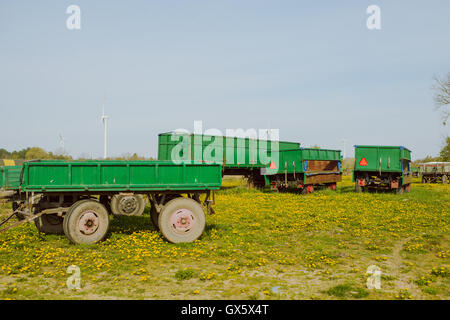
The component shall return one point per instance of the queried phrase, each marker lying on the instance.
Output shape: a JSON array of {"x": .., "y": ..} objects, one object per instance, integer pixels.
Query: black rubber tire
[
  {"x": 196, "y": 214},
  {"x": 50, "y": 224},
  {"x": 154, "y": 214},
  {"x": 139, "y": 205},
  {"x": 73, "y": 206},
  {"x": 76, "y": 212}
]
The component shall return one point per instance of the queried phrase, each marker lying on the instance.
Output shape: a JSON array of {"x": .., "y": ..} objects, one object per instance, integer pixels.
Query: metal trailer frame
[
  {"x": 434, "y": 172},
  {"x": 304, "y": 169},
  {"x": 247, "y": 164},
  {"x": 382, "y": 167},
  {"x": 51, "y": 189}
]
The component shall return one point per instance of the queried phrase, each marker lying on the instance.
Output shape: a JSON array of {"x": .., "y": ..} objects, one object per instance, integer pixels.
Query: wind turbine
[
  {"x": 61, "y": 143},
  {"x": 105, "y": 122}
]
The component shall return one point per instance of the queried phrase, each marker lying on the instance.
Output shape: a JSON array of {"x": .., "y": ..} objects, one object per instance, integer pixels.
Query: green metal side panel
[
  {"x": 321, "y": 154},
  {"x": 10, "y": 177},
  {"x": 66, "y": 176},
  {"x": 298, "y": 161},
  {"x": 382, "y": 158},
  {"x": 434, "y": 167},
  {"x": 290, "y": 161},
  {"x": 232, "y": 152}
]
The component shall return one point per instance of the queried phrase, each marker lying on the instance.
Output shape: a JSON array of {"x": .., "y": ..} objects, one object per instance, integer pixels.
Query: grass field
[{"x": 258, "y": 245}]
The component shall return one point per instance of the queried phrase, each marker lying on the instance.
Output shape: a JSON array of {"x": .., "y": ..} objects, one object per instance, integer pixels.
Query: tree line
[{"x": 31, "y": 153}]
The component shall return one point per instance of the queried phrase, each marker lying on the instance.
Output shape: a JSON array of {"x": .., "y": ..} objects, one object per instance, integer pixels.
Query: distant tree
[
  {"x": 36, "y": 153},
  {"x": 4, "y": 154},
  {"x": 445, "y": 152},
  {"x": 57, "y": 156},
  {"x": 134, "y": 156},
  {"x": 129, "y": 156},
  {"x": 442, "y": 96},
  {"x": 19, "y": 154}
]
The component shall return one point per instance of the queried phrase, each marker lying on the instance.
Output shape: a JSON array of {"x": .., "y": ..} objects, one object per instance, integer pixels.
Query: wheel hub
[
  {"x": 128, "y": 204},
  {"x": 88, "y": 222},
  {"x": 182, "y": 220}
]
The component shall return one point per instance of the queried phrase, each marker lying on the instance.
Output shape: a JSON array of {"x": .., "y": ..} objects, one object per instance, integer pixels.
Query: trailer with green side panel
[
  {"x": 305, "y": 168},
  {"x": 382, "y": 167},
  {"x": 10, "y": 174},
  {"x": 239, "y": 156},
  {"x": 76, "y": 197},
  {"x": 435, "y": 172},
  {"x": 10, "y": 177},
  {"x": 10, "y": 184}
]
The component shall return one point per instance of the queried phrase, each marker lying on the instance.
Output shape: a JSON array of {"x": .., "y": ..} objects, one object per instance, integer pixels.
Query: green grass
[
  {"x": 317, "y": 246},
  {"x": 347, "y": 291},
  {"x": 184, "y": 274}
]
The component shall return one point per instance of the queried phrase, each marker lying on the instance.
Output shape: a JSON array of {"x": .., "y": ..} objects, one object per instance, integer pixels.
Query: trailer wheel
[
  {"x": 333, "y": 186},
  {"x": 308, "y": 189},
  {"x": 87, "y": 222},
  {"x": 444, "y": 179},
  {"x": 50, "y": 224},
  {"x": 399, "y": 190},
  {"x": 182, "y": 220},
  {"x": 154, "y": 214},
  {"x": 128, "y": 205}
]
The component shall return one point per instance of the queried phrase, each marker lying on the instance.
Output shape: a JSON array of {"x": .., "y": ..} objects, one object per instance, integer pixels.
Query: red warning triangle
[
  {"x": 273, "y": 165},
  {"x": 363, "y": 162}
]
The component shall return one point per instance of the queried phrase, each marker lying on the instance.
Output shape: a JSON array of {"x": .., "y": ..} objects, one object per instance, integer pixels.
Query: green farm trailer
[
  {"x": 305, "y": 168},
  {"x": 10, "y": 184},
  {"x": 239, "y": 156},
  {"x": 435, "y": 172},
  {"x": 382, "y": 167},
  {"x": 10, "y": 178},
  {"x": 10, "y": 175},
  {"x": 76, "y": 197}
]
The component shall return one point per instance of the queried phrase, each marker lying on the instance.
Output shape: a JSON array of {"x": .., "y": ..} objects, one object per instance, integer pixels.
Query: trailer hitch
[{"x": 20, "y": 222}]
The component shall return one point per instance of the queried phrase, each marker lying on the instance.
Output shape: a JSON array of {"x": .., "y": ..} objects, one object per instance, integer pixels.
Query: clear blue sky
[{"x": 310, "y": 68}]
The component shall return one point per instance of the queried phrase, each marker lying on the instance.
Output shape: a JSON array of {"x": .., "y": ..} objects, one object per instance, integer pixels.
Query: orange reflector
[
  {"x": 273, "y": 165},
  {"x": 363, "y": 162}
]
